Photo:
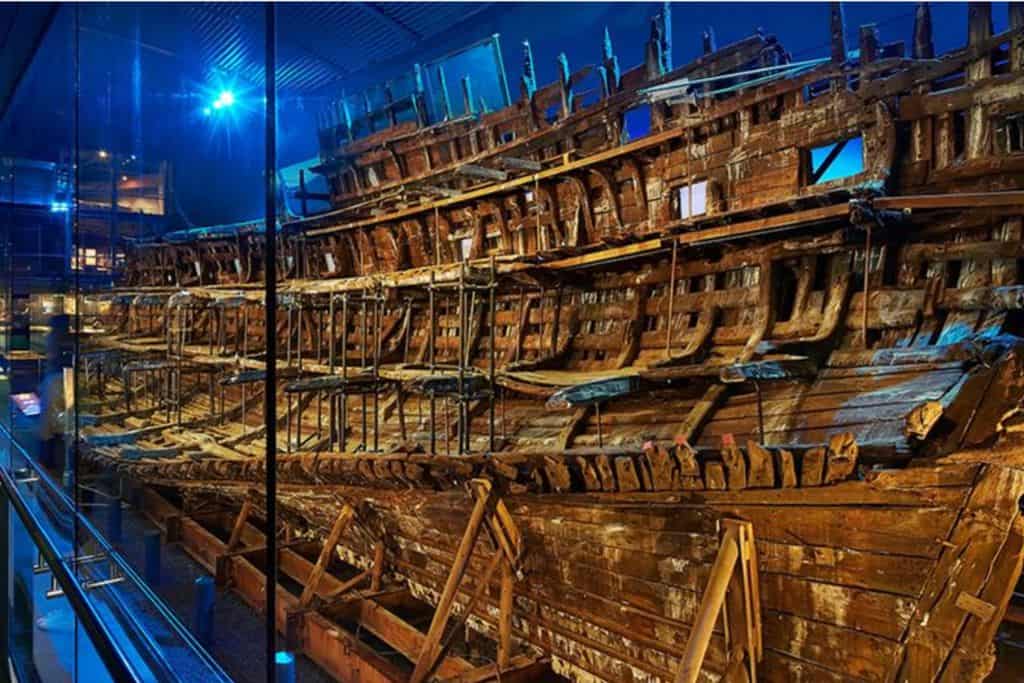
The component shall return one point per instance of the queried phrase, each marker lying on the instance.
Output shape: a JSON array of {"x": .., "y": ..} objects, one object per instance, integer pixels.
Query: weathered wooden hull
[
  {"x": 528, "y": 303},
  {"x": 902, "y": 576}
]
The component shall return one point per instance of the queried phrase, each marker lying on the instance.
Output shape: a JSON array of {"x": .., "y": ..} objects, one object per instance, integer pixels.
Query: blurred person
[{"x": 52, "y": 420}]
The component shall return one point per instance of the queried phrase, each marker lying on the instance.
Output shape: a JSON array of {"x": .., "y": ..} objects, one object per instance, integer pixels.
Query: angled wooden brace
[
  {"x": 236, "y": 531},
  {"x": 341, "y": 523},
  {"x": 733, "y": 585},
  {"x": 508, "y": 543},
  {"x": 489, "y": 512},
  {"x": 378, "y": 566}
]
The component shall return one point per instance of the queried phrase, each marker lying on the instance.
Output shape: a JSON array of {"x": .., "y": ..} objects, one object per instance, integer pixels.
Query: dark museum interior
[{"x": 541, "y": 341}]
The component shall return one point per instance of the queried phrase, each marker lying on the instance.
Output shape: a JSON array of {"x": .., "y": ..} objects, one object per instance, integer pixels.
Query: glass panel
[
  {"x": 171, "y": 178},
  {"x": 36, "y": 201},
  {"x": 126, "y": 127}
]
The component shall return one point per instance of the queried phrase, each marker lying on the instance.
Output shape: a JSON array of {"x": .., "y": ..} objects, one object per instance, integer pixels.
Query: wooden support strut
[
  {"x": 378, "y": 567},
  {"x": 341, "y": 523},
  {"x": 490, "y": 513},
  {"x": 240, "y": 522},
  {"x": 733, "y": 584}
]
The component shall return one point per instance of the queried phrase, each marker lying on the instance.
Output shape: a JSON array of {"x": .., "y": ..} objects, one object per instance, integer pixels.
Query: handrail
[
  {"x": 103, "y": 640},
  {"x": 117, "y": 666}
]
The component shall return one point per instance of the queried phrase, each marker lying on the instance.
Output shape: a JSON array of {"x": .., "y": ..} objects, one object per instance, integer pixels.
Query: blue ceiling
[
  {"x": 319, "y": 44},
  {"x": 145, "y": 71}
]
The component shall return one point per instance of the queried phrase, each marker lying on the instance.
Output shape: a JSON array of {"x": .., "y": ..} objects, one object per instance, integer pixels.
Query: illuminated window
[
  {"x": 836, "y": 160},
  {"x": 693, "y": 199},
  {"x": 89, "y": 257}
]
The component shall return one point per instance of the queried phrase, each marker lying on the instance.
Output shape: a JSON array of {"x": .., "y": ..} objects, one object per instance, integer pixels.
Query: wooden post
[
  {"x": 236, "y": 530},
  {"x": 528, "y": 84},
  {"x": 868, "y": 43},
  {"x": 565, "y": 85},
  {"x": 442, "y": 650},
  {"x": 671, "y": 299},
  {"x": 923, "y": 47},
  {"x": 444, "y": 606},
  {"x": 611, "y": 79},
  {"x": 979, "y": 30},
  {"x": 340, "y": 524},
  {"x": 1016, "y": 12},
  {"x": 442, "y": 84},
  {"x": 652, "y": 53},
  {"x": 837, "y": 31},
  {"x": 505, "y": 616},
  {"x": 68, "y": 387},
  {"x": 378, "y": 566},
  {"x": 708, "y": 42}
]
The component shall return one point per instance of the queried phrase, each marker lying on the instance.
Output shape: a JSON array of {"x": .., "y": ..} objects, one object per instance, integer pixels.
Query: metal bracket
[{"x": 114, "y": 574}]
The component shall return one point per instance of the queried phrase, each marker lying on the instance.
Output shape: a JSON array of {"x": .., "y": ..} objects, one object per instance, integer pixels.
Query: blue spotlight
[{"x": 225, "y": 100}]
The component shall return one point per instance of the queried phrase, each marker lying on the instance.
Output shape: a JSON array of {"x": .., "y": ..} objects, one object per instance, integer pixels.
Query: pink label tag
[{"x": 728, "y": 441}]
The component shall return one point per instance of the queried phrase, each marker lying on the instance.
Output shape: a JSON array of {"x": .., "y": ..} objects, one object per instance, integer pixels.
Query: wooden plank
[
  {"x": 400, "y": 634},
  {"x": 953, "y": 200},
  {"x": 967, "y": 561},
  {"x": 812, "y": 468},
  {"x": 762, "y": 470},
  {"x": 521, "y": 669}
]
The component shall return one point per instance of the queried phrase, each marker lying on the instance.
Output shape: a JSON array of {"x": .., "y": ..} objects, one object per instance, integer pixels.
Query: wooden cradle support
[
  {"x": 733, "y": 591},
  {"x": 490, "y": 513}
]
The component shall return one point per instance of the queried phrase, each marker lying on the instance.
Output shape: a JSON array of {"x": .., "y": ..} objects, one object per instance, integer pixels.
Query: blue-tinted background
[{"x": 145, "y": 83}]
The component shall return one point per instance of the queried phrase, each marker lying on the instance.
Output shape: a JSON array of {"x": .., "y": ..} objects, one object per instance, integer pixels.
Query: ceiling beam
[{"x": 373, "y": 10}]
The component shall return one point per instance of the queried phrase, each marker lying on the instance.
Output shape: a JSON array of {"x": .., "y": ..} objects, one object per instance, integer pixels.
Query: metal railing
[{"x": 76, "y": 578}]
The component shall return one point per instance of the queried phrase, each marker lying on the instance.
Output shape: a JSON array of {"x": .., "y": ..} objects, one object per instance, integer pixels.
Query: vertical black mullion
[
  {"x": 5, "y": 581},
  {"x": 72, "y": 452},
  {"x": 270, "y": 335}
]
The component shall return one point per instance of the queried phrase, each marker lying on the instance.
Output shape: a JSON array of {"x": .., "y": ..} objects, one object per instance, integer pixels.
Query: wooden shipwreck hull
[
  {"x": 860, "y": 580},
  {"x": 622, "y": 347}
]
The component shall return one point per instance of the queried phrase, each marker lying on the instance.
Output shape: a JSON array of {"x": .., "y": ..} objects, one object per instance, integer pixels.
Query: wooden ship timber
[{"x": 561, "y": 403}]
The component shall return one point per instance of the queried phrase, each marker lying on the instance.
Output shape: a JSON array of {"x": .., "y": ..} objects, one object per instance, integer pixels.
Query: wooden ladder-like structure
[
  {"x": 733, "y": 584},
  {"x": 490, "y": 513}
]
